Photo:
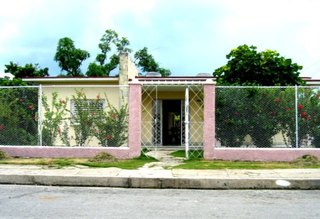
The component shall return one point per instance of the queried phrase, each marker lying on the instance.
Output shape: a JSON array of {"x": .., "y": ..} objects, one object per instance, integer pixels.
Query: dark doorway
[{"x": 171, "y": 120}]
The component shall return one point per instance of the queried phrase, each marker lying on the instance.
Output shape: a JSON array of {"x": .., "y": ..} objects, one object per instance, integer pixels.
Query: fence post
[
  {"x": 186, "y": 122},
  {"x": 297, "y": 116},
  {"x": 40, "y": 115},
  {"x": 134, "y": 135},
  {"x": 209, "y": 125}
]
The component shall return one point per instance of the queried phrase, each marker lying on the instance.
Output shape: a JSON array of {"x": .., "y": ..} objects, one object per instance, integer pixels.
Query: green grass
[
  {"x": 193, "y": 154},
  {"x": 65, "y": 162},
  {"x": 219, "y": 164}
]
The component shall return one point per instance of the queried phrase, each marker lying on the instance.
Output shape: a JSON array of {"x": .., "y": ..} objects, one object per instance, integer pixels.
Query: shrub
[
  {"x": 103, "y": 157},
  {"x": 3, "y": 155}
]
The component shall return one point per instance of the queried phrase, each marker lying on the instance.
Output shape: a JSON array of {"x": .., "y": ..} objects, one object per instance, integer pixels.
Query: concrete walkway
[{"x": 156, "y": 177}]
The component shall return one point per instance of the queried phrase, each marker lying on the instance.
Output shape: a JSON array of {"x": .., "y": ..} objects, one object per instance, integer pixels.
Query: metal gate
[{"x": 172, "y": 118}]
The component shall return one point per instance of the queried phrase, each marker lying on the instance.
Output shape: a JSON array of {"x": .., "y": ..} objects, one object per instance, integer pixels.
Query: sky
[{"x": 186, "y": 36}]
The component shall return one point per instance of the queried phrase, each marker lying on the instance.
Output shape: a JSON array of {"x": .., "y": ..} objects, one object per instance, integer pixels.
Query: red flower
[
  {"x": 300, "y": 107},
  {"x": 2, "y": 127},
  {"x": 59, "y": 130},
  {"x": 308, "y": 118},
  {"x": 277, "y": 100},
  {"x": 303, "y": 114},
  {"x": 30, "y": 107},
  {"x": 108, "y": 137}
]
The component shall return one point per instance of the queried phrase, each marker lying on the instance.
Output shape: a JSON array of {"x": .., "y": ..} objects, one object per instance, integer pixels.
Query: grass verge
[{"x": 66, "y": 162}]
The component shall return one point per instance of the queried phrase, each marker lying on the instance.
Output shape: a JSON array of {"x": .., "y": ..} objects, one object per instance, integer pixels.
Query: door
[{"x": 171, "y": 122}]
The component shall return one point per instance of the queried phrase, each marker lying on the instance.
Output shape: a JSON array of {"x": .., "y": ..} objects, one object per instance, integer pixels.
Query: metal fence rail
[{"x": 268, "y": 117}]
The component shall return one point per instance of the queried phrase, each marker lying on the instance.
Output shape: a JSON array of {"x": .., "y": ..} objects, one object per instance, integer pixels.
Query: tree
[
  {"x": 29, "y": 70},
  {"x": 148, "y": 64},
  {"x": 246, "y": 66},
  {"x": 108, "y": 42},
  {"x": 69, "y": 57}
]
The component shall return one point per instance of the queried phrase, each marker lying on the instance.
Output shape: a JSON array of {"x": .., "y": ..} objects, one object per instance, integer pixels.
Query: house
[{"x": 123, "y": 114}]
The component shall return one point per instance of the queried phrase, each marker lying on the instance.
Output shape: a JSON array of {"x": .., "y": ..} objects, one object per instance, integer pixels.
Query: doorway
[{"x": 171, "y": 122}]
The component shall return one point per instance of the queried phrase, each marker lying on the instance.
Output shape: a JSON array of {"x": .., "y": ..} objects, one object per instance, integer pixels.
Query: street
[{"x": 17, "y": 201}]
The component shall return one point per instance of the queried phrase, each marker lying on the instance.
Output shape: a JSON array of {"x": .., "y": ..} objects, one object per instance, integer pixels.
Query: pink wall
[
  {"x": 209, "y": 120},
  {"x": 134, "y": 140}
]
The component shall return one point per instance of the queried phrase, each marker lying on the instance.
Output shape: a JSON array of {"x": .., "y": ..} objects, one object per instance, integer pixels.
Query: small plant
[
  {"x": 53, "y": 117},
  {"x": 111, "y": 127},
  {"x": 3, "y": 155},
  {"x": 103, "y": 157},
  {"x": 83, "y": 117},
  {"x": 307, "y": 160}
]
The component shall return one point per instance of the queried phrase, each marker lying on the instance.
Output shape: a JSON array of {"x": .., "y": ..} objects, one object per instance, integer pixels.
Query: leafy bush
[
  {"x": 103, "y": 157},
  {"x": 3, "y": 155},
  {"x": 53, "y": 116},
  {"x": 18, "y": 116}
]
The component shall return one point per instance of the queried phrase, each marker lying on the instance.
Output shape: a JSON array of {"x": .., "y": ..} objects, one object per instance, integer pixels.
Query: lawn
[
  {"x": 93, "y": 162},
  {"x": 196, "y": 161}
]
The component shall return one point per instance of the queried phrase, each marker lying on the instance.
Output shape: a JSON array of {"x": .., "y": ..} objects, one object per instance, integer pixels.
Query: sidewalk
[{"x": 161, "y": 178}]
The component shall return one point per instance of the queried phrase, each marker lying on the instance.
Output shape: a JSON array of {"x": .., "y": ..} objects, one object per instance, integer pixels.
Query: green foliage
[
  {"x": 111, "y": 127},
  {"x": 82, "y": 120},
  {"x": 54, "y": 114},
  {"x": 246, "y": 66},
  {"x": 18, "y": 115},
  {"x": 29, "y": 70},
  {"x": 307, "y": 160},
  {"x": 263, "y": 113},
  {"x": 109, "y": 41},
  {"x": 148, "y": 64},
  {"x": 3, "y": 155},
  {"x": 13, "y": 82},
  {"x": 70, "y": 58},
  {"x": 95, "y": 70}
]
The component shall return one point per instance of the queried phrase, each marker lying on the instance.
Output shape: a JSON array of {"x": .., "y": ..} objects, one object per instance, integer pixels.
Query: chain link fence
[
  {"x": 84, "y": 116},
  {"x": 19, "y": 116},
  {"x": 268, "y": 117}
]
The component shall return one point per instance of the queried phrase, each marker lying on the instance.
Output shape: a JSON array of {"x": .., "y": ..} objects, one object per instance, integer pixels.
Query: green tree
[
  {"x": 109, "y": 42},
  {"x": 29, "y": 70},
  {"x": 13, "y": 82},
  {"x": 70, "y": 58},
  {"x": 148, "y": 64},
  {"x": 247, "y": 66}
]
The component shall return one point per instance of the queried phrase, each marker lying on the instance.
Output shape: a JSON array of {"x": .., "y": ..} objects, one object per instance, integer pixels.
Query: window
[{"x": 87, "y": 105}]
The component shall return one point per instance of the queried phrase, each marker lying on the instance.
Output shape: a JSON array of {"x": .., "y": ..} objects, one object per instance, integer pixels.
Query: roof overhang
[{"x": 71, "y": 79}]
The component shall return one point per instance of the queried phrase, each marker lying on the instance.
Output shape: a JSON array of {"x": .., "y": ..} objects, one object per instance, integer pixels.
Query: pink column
[
  {"x": 134, "y": 140},
  {"x": 209, "y": 120}
]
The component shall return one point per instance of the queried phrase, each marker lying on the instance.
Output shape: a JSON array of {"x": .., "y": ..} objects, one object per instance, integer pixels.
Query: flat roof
[{"x": 71, "y": 79}]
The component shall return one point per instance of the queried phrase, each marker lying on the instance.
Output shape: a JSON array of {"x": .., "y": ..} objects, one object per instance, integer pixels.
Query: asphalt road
[{"x": 18, "y": 201}]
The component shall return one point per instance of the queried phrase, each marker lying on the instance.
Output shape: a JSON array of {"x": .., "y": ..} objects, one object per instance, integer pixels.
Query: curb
[{"x": 160, "y": 183}]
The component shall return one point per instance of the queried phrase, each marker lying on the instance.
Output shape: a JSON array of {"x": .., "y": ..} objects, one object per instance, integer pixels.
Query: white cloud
[{"x": 186, "y": 36}]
